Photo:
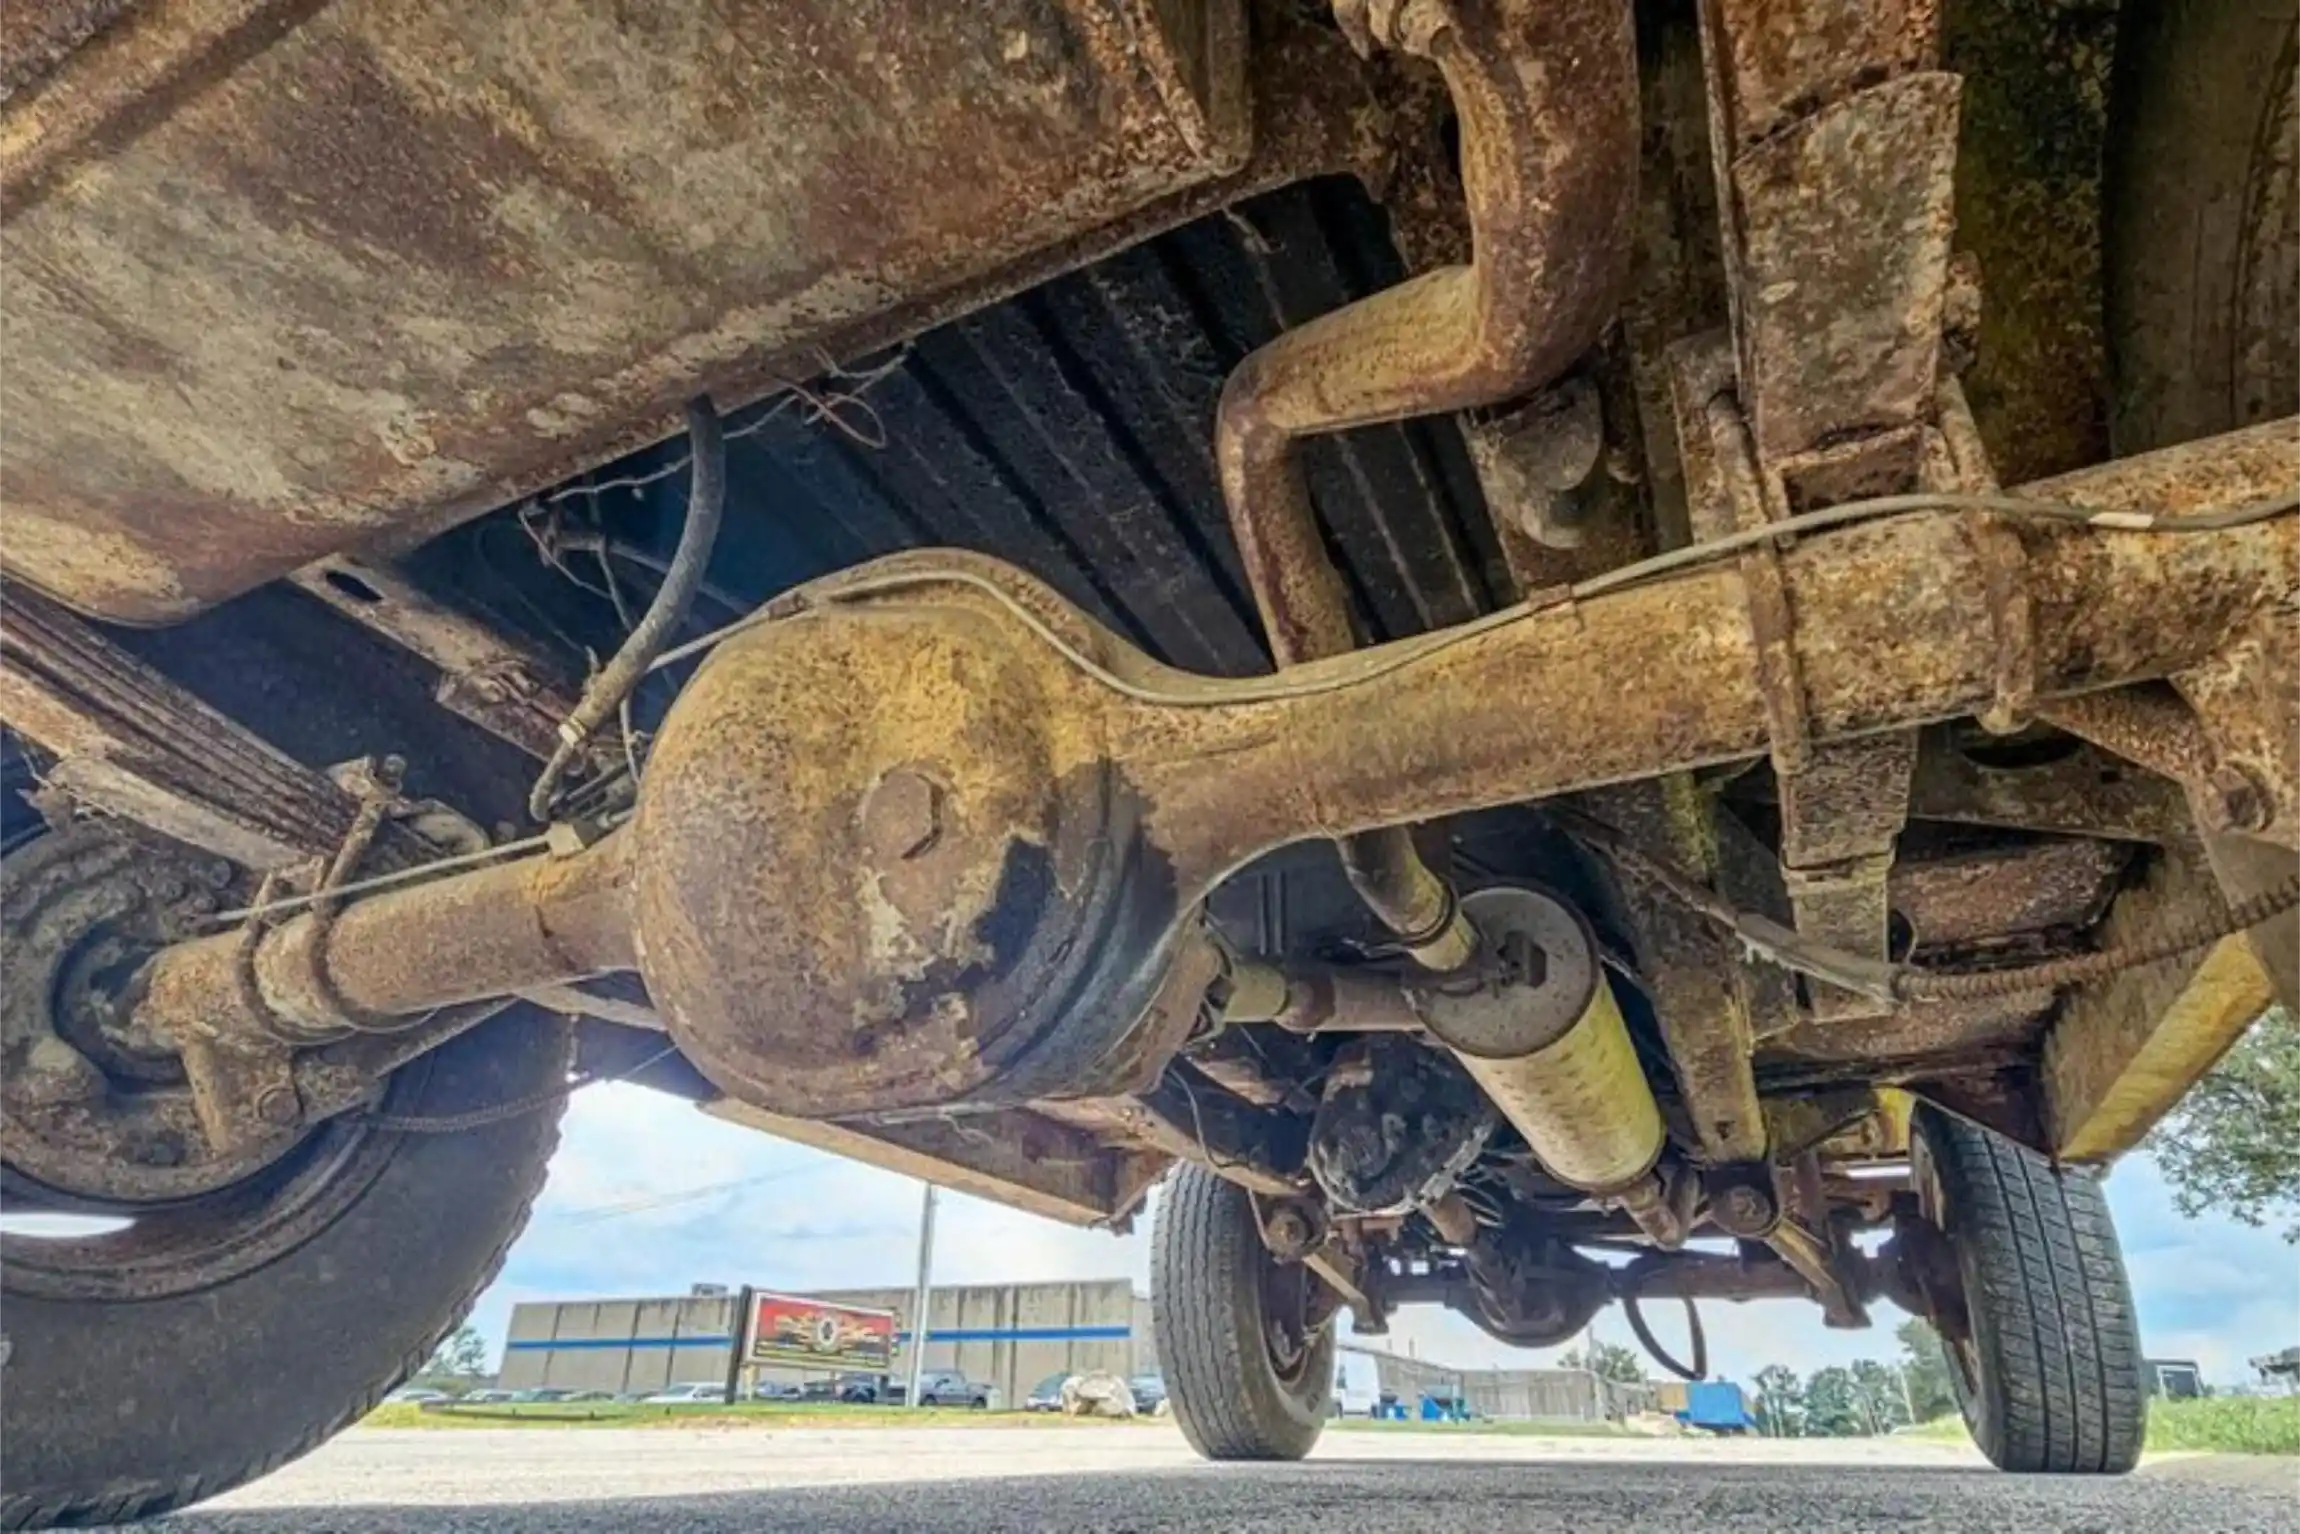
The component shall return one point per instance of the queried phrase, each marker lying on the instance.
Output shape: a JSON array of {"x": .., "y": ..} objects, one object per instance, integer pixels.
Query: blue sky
[{"x": 647, "y": 1196}]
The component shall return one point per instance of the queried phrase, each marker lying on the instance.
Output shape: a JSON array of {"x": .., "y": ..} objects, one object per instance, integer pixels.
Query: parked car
[
  {"x": 1046, "y": 1395},
  {"x": 489, "y": 1397},
  {"x": 688, "y": 1395},
  {"x": 947, "y": 1387},
  {"x": 776, "y": 1390},
  {"x": 1149, "y": 1392},
  {"x": 542, "y": 1393},
  {"x": 592, "y": 1395},
  {"x": 414, "y": 1397},
  {"x": 849, "y": 1389}
]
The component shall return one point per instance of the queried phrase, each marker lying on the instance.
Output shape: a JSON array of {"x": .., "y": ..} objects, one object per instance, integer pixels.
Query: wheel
[
  {"x": 2201, "y": 218},
  {"x": 227, "y": 1329},
  {"x": 1245, "y": 1342},
  {"x": 2043, "y": 1350}
]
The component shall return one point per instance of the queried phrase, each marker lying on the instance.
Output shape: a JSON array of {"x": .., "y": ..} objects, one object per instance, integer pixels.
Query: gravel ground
[{"x": 1144, "y": 1479}]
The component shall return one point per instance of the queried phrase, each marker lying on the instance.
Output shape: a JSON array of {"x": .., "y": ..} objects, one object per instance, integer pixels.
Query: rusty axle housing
[{"x": 935, "y": 840}]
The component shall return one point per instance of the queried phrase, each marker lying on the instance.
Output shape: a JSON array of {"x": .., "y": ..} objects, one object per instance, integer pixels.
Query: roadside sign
[{"x": 792, "y": 1330}]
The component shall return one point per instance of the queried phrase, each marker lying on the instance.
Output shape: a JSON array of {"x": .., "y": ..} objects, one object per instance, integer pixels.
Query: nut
[
  {"x": 1289, "y": 1232},
  {"x": 2237, "y": 801}
]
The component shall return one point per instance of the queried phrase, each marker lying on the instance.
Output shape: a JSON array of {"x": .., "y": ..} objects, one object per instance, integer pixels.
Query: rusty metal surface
[
  {"x": 1845, "y": 222},
  {"x": 399, "y": 954},
  {"x": 2064, "y": 787},
  {"x": 495, "y": 243},
  {"x": 1995, "y": 894},
  {"x": 1834, "y": 141},
  {"x": 2124, "y": 1051},
  {"x": 1025, "y": 1160},
  {"x": 1700, "y": 987},
  {"x": 1031, "y": 935},
  {"x": 42, "y": 33},
  {"x": 93, "y": 1107},
  {"x": 1549, "y": 169},
  {"x": 1842, "y": 804},
  {"x": 1782, "y": 58},
  {"x": 2037, "y": 88},
  {"x": 2248, "y": 700},
  {"x": 129, "y": 742},
  {"x": 486, "y": 677},
  {"x": 2155, "y": 727}
]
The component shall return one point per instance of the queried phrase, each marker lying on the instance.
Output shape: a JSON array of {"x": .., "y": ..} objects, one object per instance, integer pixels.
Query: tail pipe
[{"x": 1545, "y": 94}]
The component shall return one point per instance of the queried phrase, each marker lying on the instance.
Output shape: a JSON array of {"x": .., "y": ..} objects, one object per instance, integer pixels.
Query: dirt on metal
[{"x": 286, "y": 277}]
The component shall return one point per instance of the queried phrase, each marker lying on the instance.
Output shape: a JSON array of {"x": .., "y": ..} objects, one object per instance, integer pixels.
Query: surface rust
[
  {"x": 1782, "y": 59},
  {"x": 282, "y": 279},
  {"x": 1988, "y": 895},
  {"x": 2124, "y": 1051},
  {"x": 1548, "y": 160},
  {"x": 1088, "y": 798},
  {"x": 1845, "y": 223},
  {"x": 507, "y": 688},
  {"x": 1545, "y": 97},
  {"x": 42, "y": 33},
  {"x": 127, "y": 741}
]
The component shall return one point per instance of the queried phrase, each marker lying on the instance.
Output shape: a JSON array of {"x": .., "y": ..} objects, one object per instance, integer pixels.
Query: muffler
[{"x": 1534, "y": 1020}]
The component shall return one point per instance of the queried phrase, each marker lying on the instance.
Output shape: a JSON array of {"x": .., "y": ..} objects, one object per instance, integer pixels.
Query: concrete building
[
  {"x": 1558, "y": 1395},
  {"x": 1007, "y": 1335}
]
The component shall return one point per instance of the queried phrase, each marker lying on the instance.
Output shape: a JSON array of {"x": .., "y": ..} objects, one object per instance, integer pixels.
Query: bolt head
[
  {"x": 277, "y": 1106},
  {"x": 1289, "y": 1231},
  {"x": 2238, "y": 801},
  {"x": 1742, "y": 1208}
]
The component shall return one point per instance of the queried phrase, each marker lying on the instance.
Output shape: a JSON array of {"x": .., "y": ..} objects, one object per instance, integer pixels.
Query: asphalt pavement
[{"x": 1143, "y": 1480}]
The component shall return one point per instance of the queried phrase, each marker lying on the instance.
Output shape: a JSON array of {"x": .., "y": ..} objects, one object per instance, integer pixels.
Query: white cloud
[{"x": 648, "y": 1196}]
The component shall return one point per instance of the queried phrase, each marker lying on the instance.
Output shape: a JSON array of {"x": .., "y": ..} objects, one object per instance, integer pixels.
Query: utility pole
[
  {"x": 1908, "y": 1401},
  {"x": 922, "y": 1299}
]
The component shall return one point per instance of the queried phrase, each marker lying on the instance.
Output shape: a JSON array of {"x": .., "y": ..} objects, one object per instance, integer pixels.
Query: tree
[
  {"x": 1833, "y": 1405},
  {"x": 1780, "y": 1401},
  {"x": 462, "y": 1354},
  {"x": 1881, "y": 1400},
  {"x": 1926, "y": 1368},
  {"x": 1608, "y": 1361},
  {"x": 2233, "y": 1144}
]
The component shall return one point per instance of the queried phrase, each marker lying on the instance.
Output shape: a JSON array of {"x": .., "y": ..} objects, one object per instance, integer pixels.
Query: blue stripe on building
[
  {"x": 699, "y": 1340},
  {"x": 959, "y": 1334},
  {"x": 1026, "y": 1334}
]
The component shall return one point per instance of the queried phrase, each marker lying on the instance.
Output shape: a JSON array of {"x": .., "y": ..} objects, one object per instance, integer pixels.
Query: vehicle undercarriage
[{"x": 1558, "y": 651}]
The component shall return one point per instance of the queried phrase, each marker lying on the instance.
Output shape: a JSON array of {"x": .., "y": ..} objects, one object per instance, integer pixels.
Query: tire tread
[
  {"x": 1204, "y": 1309},
  {"x": 2053, "y": 1318}
]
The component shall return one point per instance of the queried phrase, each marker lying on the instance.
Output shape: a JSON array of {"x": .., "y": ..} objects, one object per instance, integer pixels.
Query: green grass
[
  {"x": 2219, "y": 1424},
  {"x": 2227, "y": 1424},
  {"x": 755, "y": 1414}
]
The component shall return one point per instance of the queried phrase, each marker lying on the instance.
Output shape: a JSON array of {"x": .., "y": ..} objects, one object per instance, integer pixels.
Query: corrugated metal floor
[{"x": 1070, "y": 430}]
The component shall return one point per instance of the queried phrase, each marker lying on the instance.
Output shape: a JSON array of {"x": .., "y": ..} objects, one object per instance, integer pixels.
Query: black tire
[
  {"x": 2201, "y": 219},
  {"x": 1210, "y": 1308},
  {"x": 2048, "y": 1372},
  {"x": 113, "y": 1410}
]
